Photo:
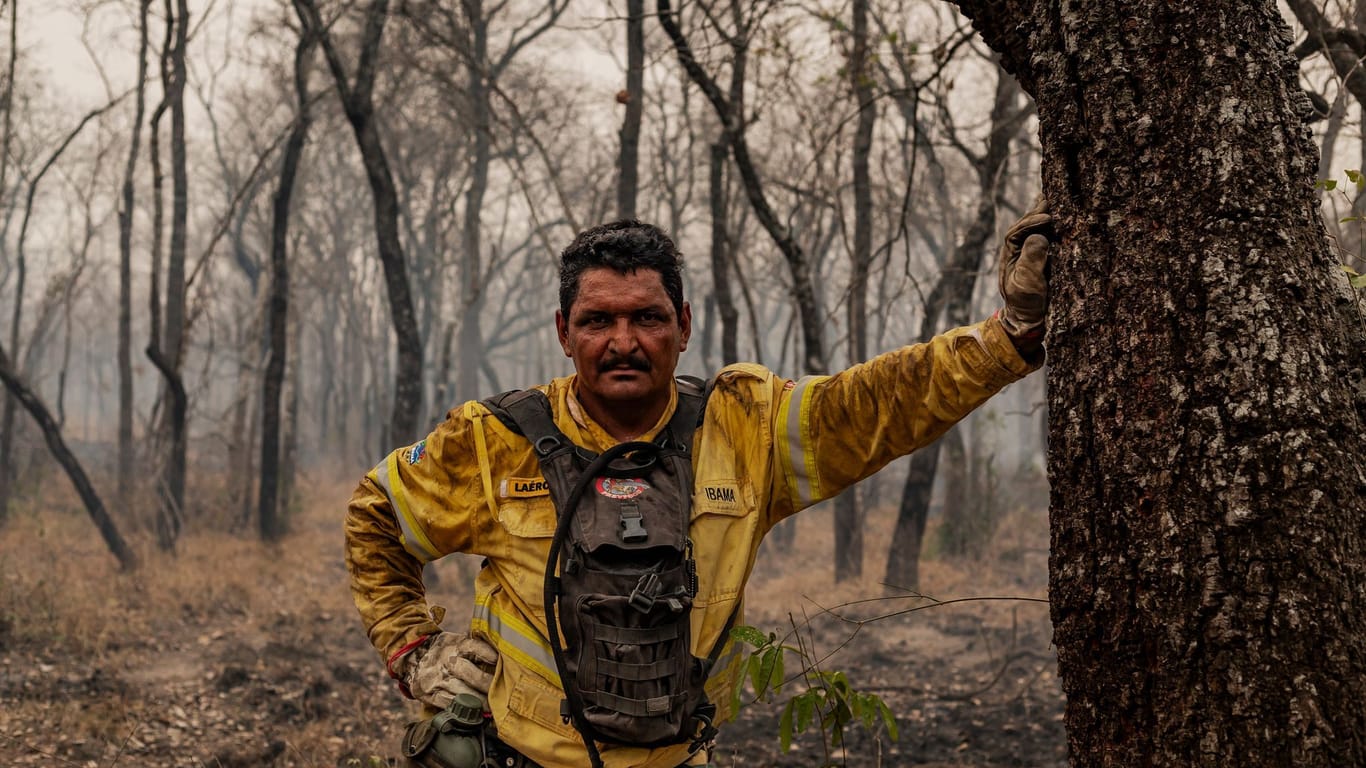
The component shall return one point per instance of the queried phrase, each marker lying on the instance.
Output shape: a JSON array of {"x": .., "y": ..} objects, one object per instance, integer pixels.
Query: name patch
[
  {"x": 719, "y": 497},
  {"x": 524, "y": 487}
]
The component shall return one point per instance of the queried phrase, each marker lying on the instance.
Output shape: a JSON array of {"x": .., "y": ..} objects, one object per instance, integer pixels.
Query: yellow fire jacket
[{"x": 767, "y": 448}]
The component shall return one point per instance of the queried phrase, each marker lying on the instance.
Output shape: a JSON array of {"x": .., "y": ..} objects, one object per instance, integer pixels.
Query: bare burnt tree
[
  {"x": 1205, "y": 391},
  {"x": 166, "y": 350},
  {"x": 125, "y": 311},
  {"x": 7, "y": 420},
  {"x": 730, "y": 110},
  {"x": 464, "y": 34},
  {"x": 62, "y": 453},
  {"x": 357, "y": 99},
  {"x": 949, "y": 303},
  {"x": 633, "y": 97},
  {"x": 848, "y": 520},
  {"x": 272, "y": 522}
]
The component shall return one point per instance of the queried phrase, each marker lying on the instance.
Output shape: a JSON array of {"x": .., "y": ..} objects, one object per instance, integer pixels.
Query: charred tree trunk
[
  {"x": 730, "y": 109},
  {"x": 628, "y": 161},
  {"x": 53, "y": 435},
  {"x": 1205, "y": 391},
  {"x": 848, "y": 520},
  {"x": 167, "y": 356},
  {"x": 721, "y": 256},
  {"x": 126, "y": 213},
  {"x": 273, "y": 524},
  {"x": 358, "y": 102},
  {"x": 470, "y": 347},
  {"x": 952, "y": 295}
]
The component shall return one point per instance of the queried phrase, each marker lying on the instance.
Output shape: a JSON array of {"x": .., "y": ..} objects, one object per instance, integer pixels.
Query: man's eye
[{"x": 651, "y": 317}]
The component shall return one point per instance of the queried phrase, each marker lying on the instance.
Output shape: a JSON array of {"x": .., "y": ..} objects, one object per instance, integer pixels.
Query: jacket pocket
[{"x": 530, "y": 518}]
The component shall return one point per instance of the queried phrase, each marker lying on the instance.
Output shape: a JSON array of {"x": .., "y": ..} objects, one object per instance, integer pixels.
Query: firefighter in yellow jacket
[{"x": 767, "y": 447}]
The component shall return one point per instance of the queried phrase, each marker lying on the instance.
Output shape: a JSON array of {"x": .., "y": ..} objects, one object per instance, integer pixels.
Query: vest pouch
[{"x": 633, "y": 668}]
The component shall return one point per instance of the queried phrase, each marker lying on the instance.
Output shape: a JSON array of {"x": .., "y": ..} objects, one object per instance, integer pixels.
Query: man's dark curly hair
[{"x": 624, "y": 245}]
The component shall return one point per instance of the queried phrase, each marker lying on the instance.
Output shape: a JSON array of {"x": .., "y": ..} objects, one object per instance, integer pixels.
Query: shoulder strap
[{"x": 527, "y": 413}]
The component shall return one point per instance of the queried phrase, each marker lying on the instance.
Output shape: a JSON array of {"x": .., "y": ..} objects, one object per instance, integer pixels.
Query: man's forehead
[{"x": 602, "y": 283}]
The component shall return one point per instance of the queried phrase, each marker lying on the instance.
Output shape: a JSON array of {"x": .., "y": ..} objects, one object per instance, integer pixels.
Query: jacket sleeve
[
  {"x": 833, "y": 431},
  {"x": 420, "y": 503}
]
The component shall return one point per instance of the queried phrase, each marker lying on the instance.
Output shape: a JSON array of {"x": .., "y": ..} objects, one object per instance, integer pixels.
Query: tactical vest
[{"x": 621, "y": 578}]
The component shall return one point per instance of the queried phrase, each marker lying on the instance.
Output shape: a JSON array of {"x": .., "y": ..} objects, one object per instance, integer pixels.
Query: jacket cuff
[
  {"x": 394, "y": 665},
  {"x": 998, "y": 344}
]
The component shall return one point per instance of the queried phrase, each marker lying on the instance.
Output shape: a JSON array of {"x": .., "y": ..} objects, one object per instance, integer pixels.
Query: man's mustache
[{"x": 630, "y": 361}]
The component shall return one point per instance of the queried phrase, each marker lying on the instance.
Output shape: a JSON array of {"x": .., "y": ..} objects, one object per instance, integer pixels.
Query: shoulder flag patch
[{"x": 416, "y": 453}]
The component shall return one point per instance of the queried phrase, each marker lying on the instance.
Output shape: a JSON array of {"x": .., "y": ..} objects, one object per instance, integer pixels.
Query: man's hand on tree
[
  {"x": 1024, "y": 257},
  {"x": 448, "y": 664}
]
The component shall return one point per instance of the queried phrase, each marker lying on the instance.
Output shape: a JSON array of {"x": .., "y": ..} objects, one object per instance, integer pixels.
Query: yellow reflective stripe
[
  {"x": 414, "y": 540},
  {"x": 481, "y": 451},
  {"x": 794, "y": 428},
  {"x": 515, "y": 638}
]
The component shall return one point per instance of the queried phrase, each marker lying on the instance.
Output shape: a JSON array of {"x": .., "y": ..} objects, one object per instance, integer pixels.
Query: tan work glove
[
  {"x": 448, "y": 664},
  {"x": 1023, "y": 257}
]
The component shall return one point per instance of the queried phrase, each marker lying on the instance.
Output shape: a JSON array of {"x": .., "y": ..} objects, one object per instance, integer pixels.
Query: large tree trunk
[
  {"x": 268, "y": 505},
  {"x": 1206, "y": 393}
]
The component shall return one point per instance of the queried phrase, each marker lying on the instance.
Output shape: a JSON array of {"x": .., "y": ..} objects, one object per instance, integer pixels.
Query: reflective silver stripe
[
  {"x": 516, "y": 640},
  {"x": 726, "y": 659},
  {"x": 413, "y": 541},
  {"x": 798, "y": 461}
]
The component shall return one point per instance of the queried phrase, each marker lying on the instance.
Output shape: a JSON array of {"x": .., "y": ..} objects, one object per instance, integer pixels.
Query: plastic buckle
[
  {"x": 632, "y": 532},
  {"x": 643, "y": 596}
]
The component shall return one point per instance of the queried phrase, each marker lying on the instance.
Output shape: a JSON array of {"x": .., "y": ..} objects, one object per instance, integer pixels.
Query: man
[{"x": 766, "y": 447}]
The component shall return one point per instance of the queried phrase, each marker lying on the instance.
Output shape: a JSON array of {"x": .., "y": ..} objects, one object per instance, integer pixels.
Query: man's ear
[
  {"x": 562, "y": 331},
  {"x": 685, "y": 325}
]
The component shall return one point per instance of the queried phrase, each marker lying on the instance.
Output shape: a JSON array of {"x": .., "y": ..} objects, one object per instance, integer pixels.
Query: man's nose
[{"x": 623, "y": 338}]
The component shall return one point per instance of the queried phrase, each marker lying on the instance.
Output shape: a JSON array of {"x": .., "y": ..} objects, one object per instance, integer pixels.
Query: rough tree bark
[
  {"x": 358, "y": 102},
  {"x": 272, "y": 522},
  {"x": 1206, "y": 390}
]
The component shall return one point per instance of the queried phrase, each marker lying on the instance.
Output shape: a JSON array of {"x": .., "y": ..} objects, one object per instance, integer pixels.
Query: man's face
[{"x": 624, "y": 337}]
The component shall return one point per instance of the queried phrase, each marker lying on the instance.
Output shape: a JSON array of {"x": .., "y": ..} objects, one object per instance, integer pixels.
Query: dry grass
[{"x": 234, "y": 653}]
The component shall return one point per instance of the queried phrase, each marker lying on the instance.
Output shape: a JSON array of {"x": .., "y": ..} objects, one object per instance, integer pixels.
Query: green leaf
[
  {"x": 750, "y": 635},
  {"x": 1328, "y": 184},
  {"x": 756, "y": 677},
  {"x": 1358, "y": 282},
  {"x": 785, "y": 725},
  {"x": 806, "y": 707},
  {"x": 1356, "y": 178},
  {"x": 888, "y": 719},
  {"x": 775, "y": 680},
  {"x": 766, "y": 665},
  {"x": 1347, "y": 219}
]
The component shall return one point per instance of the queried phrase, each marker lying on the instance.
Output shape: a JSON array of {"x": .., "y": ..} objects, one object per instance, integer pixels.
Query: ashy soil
[{"x": 233, "y": 654}]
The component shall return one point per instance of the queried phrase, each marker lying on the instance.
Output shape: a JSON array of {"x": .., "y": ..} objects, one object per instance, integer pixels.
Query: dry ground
[{"x": 234, "y": 655}]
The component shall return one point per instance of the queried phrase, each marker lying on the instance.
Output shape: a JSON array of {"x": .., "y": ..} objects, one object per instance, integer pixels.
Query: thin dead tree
[
  {"x": 273, "y": 524},
  {"x": 357, "y": 99}
]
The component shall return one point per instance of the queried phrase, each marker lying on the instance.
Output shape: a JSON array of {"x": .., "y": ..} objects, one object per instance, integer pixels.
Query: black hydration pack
[{"x": 621, "y": 577}]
